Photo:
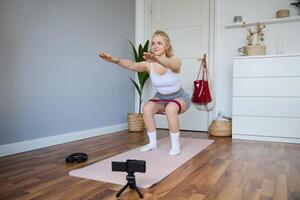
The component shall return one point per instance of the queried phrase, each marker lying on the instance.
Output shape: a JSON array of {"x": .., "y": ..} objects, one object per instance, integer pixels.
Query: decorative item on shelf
[
  {"x": 255, "y": 40},
  {"x": 255, "y": 50},
  {"x": 242, "y": 51},
  {"x": 297, "y": 4},
  {"x": 282, "y": 13},
  {"x": 237, "y": 19}
]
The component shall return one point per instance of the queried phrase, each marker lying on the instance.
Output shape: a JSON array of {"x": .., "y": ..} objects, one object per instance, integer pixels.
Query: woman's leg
[
  {"x": 173, "y": 123},
  {"x": 149, "y": 109},
  {"x": 172, "y": 114}
]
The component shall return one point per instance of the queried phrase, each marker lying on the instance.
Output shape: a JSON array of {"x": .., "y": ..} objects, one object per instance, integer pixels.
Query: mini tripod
[{"x": 132, "y": 185}]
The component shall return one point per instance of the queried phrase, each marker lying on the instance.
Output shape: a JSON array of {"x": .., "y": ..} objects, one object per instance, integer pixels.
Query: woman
[{"x": 170, "y": 98}]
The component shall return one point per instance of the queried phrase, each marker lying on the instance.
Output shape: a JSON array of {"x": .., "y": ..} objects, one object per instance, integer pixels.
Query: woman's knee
[
  {"x": 148, "y": 109},
  {"x": 172, "y": 109},
  {"x": 182, "y": 104}
]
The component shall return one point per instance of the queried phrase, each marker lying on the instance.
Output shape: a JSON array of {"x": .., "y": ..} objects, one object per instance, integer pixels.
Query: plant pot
[
  {"x": 220, "y": 128},
  {"x": 255, "y": 50},
  {"x": 135, "y": 122}
]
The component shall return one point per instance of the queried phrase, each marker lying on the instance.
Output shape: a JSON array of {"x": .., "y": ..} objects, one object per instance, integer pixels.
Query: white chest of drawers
[{"x": 266, "y": 98}]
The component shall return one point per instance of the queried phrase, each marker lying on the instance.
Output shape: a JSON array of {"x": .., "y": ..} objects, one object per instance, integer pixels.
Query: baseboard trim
[
  {"x": 28, "y": 145},
  {"x": 266, "y": 138}
]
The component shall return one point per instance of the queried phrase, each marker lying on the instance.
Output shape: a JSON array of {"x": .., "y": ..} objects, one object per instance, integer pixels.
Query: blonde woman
[{"x": 170, "y": 98}]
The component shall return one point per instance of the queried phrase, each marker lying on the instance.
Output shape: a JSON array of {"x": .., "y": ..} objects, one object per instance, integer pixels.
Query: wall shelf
[{"x": 265, "y": 22}]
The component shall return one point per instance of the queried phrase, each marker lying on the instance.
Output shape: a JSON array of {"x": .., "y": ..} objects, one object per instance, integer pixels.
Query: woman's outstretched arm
[
  {"x": 171, "y": 63},
  {"x": 128, "y": 64}
]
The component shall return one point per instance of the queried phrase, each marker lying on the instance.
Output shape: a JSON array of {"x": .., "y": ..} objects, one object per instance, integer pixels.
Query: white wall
[
  {"x": 229, "y": 40},
  {"x": 53, "y": 86}
]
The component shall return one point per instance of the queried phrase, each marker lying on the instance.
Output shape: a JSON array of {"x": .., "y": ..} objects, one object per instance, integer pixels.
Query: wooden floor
[{"x": 226, "y": 170}]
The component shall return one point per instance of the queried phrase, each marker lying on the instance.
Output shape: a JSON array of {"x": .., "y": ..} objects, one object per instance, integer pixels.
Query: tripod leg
[
  {"x": 139, "y": 192},
  {"x": 123, "y": 188},
  {"x": 133, "y": 186}
]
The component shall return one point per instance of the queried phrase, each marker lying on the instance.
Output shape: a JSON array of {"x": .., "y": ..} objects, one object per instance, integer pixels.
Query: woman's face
[{"x": 158, "y": 45}]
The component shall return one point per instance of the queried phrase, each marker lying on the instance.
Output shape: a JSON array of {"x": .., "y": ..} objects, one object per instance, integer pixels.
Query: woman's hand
[
  {"x": 150, "y": 57},
  {"x": 128, "y": 64},
  {"x": 108, "y": 57}
]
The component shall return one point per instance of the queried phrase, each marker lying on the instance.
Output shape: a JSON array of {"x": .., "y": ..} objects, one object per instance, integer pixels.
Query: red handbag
[{"x": 201, "y": 92}]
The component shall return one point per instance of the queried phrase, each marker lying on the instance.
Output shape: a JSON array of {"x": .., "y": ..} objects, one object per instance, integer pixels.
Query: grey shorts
[{"x": 179, "y": 94}]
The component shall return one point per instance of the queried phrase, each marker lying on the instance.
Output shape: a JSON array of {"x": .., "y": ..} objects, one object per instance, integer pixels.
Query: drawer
[
  {"x": 267, "y": 67},
  {"x": 267, "y": 87},
  {"x": 262, "y": 106},
  {"x": 266, "y": 126}
]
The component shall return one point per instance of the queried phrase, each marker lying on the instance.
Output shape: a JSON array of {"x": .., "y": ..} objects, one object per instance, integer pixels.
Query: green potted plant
[
  {"x": 135, "y": 120},
  {"x": 297, "y": 4}
]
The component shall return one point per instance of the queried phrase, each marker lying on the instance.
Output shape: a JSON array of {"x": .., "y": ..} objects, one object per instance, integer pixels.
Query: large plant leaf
[
  {"x": 140, "y": 76},
  {"x": 146, "y": 46},
  {"x": 143, "y": 77},
  {"x": 136, "y": 87},
  {"x": 141, "y": 51},
  {"x": 136, "y": 57}
]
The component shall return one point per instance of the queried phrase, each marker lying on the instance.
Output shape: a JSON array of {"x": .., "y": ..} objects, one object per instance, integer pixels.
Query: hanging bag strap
[
  {"x": 203, "y": 69},
  {"x": 200, "y": 68}
]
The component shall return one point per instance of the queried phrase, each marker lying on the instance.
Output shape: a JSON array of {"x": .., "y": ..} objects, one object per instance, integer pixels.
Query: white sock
[
  {"x": 152, "y": 142},
  {"x": 175, "y": 145}
]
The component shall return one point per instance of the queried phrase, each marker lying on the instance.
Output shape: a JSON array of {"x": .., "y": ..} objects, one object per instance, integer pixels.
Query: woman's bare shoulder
[
  {"x": 176, "y": 59},
  {"x": 177, "y": 65}
]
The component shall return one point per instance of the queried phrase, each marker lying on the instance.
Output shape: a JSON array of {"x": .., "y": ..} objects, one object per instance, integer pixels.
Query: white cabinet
[{"x": 266, "y": 98}]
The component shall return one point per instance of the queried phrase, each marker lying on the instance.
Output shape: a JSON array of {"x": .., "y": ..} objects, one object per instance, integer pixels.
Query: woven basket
[
  {"x": 220, "y": 128},
  {"x": 135, "y": 122},
  {"x": 255, "y": 50}
]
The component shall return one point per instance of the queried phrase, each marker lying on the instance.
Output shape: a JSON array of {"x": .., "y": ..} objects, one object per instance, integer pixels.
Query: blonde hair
[{"x": 164, "y": 35}]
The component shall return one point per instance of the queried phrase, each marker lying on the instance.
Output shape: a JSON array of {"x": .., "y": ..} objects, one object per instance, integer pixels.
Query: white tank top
[{"x": 166, "y": 83}]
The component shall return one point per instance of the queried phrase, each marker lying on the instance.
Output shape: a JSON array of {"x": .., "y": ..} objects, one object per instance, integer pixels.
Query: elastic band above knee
[{"x": 168, "y": 100}]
